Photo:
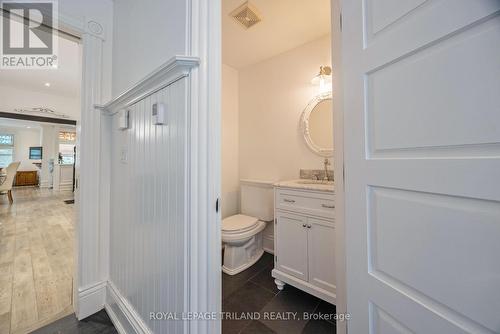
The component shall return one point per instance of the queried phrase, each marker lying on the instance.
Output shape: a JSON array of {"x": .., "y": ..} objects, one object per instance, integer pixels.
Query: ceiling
[
  {"x": 64, "y": 80},
  {"x": 285, "y": 25}
]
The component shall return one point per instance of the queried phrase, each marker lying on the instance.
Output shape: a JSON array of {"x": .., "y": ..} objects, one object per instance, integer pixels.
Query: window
[
  {"x": 6, "y": 149},
  {"x": 66, "y": 154},
  {"x": 6, "y": 140}
]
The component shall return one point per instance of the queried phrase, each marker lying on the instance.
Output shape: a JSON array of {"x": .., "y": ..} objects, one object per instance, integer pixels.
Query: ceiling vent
[{"x": 246, "y": 15}]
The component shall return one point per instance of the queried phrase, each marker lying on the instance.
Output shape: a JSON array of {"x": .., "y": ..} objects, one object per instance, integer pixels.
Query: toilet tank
[{"x": 257, "y": 199}]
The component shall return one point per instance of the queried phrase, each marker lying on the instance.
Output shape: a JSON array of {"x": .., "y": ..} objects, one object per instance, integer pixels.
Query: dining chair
[{"x": 6, "y": 187}]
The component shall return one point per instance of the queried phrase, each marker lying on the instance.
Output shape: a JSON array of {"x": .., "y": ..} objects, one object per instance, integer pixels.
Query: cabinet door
[
  {"x": 321, "y": 250},
  {"x": 291, "y": 245}
]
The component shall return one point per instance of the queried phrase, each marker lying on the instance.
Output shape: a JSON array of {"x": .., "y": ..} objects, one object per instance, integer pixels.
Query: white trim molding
[
  {"x": 91, "y": 243},
  {"x": 91, "y": 297},
  {"x": 203, "y": 231},
  {"x": 338, "y": 162},
  {"x": 175, "y": 68},
  {"x": 122, "y": 314}
]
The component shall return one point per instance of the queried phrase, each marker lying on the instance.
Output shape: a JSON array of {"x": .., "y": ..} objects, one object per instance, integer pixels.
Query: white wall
[
  {"x": 23, "y": 139},
  {"x": 146, "y": 34},
  {"x": 147, "y": 194},
  {"x": 148, "y": 216},
  {"x": 230, "y": 138},
  {"x": 272, "y": 96}
]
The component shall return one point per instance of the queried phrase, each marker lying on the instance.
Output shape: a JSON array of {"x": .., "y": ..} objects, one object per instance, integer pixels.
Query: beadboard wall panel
[{"x": 148, "y": 191}]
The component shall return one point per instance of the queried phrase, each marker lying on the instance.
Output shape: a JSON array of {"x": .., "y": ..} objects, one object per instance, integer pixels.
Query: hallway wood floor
[{"x": 36, "y": 259}]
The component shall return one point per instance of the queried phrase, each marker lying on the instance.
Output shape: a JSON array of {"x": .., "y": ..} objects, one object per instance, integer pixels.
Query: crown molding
[{"x": 174, "y": 69}]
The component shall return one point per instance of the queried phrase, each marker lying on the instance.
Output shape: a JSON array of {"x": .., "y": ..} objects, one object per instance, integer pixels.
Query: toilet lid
[{"x": 238, "y": 223}]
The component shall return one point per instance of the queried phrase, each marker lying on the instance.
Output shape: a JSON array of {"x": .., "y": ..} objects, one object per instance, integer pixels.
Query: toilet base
[
  {"x": 241, "y": 254},
  {"x": 234, "y": 271}
]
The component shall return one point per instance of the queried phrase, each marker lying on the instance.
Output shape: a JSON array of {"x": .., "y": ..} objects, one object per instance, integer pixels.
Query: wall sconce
[{"x": 323, "y": 80}]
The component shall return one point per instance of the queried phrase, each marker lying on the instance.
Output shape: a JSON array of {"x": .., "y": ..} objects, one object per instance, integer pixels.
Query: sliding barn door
[{"x": 422, "y": 162}]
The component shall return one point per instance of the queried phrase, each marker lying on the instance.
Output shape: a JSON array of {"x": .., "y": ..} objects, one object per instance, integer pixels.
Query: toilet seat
[{"x": 238, "y": 224}]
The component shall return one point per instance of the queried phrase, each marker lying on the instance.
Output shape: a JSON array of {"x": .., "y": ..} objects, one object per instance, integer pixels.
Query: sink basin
[{"x": 315, "y": 182}]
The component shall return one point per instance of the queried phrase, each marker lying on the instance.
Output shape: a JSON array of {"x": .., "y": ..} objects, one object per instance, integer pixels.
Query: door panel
[
  {"x": 422, "y": 162},
  {"x": 291, "y": 245},
  {"x": 432, "y": 113},
  {"x": 321, "y": 246}
]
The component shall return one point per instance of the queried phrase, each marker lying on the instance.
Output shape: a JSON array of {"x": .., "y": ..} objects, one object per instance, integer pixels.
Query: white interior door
[{"x": 422, "y": 162}]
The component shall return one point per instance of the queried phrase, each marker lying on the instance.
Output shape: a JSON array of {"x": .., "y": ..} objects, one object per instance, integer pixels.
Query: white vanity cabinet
[{"x": 305, "y": 241}]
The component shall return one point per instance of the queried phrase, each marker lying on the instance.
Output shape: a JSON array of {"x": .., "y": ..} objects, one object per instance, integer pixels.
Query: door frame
[
  {"x": 338, "y": 162},
  {"x": 91, "y": 255},
  {"x": 203, "y": 291},
  {"x": 204, "y": 41}
]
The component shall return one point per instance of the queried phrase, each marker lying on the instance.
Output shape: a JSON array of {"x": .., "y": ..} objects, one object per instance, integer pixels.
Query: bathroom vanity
[{"x": 304, "y": 234}]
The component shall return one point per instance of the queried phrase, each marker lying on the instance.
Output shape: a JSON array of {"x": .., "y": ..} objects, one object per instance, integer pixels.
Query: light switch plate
[{"x": 123, "y": 155}]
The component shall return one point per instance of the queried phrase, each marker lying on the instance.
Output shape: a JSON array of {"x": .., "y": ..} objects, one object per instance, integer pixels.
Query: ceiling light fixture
[{"x": 47, "y": 84}]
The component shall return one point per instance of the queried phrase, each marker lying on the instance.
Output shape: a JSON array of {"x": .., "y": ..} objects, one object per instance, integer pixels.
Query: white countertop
[{"x": 307, "y": 185}]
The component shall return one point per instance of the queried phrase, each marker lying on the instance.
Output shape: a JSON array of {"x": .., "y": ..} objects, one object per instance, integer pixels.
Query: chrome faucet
[{"x": 326, "y": 164}]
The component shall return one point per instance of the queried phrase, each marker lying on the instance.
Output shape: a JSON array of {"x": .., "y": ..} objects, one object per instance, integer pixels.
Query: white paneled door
[{"x": 422, "y": 162}]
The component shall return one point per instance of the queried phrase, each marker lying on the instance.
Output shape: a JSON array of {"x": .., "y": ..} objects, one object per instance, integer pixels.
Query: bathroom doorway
[{"x": 278, "y": 230}]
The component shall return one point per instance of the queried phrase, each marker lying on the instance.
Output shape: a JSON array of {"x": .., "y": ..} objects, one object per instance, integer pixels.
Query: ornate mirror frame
[{"x": 304, "y": 123}]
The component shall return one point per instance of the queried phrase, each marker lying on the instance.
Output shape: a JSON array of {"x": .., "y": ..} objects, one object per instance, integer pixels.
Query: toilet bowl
[
  {"x": 242, "y": 240},
  {"x": 242, "y": 233}
]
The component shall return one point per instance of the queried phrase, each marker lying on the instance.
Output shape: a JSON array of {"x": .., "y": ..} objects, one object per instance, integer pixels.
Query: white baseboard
[
  {"x": 66, "y": 186},
  {"x": 116, "y": 321},
  {"x": 122, "y": 314},
  {"x": 268, "y": 243},
  {"x": 91, "y": 299}
]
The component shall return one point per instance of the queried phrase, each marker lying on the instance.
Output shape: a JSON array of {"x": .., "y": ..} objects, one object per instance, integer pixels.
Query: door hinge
[
  {"x": 340, "y": 21},
  {"x": 217, "y": 205},
  {"x": 276, "y": 258},
  {"x": 275, "y": 221}
]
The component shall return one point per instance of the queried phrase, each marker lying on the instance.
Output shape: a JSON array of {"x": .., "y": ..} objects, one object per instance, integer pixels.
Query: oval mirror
[{"x": 317, "y": 125}]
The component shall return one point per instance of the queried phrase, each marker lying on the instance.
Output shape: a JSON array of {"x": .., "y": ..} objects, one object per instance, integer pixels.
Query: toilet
[{"x": 242, "y": 233}]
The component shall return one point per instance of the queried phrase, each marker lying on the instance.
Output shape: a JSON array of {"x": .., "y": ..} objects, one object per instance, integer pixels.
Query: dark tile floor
[
  {"x": 253, "y": 290},
  {"x": 98, "y": 323}
]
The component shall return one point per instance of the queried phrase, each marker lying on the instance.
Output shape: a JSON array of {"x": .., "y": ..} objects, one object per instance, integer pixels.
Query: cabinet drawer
[{"x": 314, "y": 203}]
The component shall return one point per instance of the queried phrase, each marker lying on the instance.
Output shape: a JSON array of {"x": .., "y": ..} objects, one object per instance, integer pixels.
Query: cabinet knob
[
  {"x": 304, "y": 225},
  {"x": 309, "y": 226}
]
